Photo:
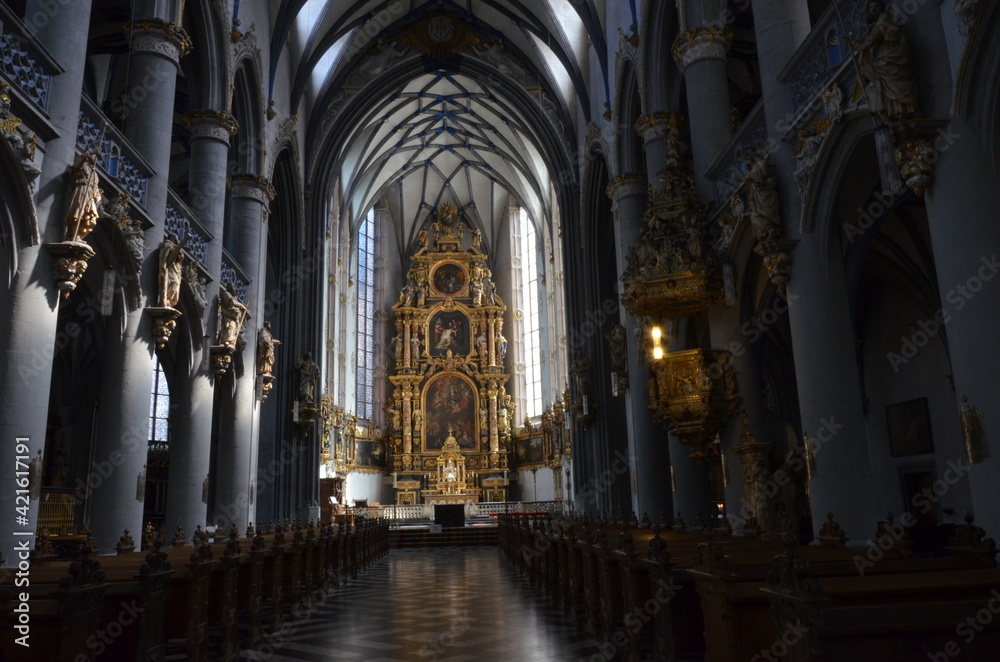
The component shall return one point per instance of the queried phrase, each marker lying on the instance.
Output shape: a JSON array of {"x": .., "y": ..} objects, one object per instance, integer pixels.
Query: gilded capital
[
  {"x": 626, "y": 186},
  {"x": 700, "y": 44},
  {"x": 215, "y": 124},
  {"x": 658, "y": 126},
  {"x": 153, "y": 35}
]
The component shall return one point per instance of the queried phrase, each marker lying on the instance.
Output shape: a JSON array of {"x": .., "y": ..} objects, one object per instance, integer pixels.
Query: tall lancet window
[
  {"x": 365, "y": 371},
  {"x": 159, "y": 410},
  {"x": 527, "y": 314}
]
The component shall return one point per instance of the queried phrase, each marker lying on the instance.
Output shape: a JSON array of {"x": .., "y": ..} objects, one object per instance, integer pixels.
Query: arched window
[
  {"x": 365, "y": 371},
  {"x": 527, "y": 304},
  {"x": 159, "y": 410}
]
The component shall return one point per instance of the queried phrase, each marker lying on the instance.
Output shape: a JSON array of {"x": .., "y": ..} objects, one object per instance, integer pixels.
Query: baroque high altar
[{"x": 450, "y": 416}]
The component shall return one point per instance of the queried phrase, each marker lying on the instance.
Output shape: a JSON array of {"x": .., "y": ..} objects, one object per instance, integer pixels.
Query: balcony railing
[
  {"x": 119, "y": 160},
  {"x": 182, "y": 222},
  {"x": 23, "y": 61},
  {"x": 828, "y": 49},
  {"x": 232, "y": 273}
]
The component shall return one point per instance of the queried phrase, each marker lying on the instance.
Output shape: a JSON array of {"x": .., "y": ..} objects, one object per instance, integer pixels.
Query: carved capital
[
  {"x": 701, "y": 44},
  {"x": 658, "y": 126},
  {"x": 152, "y": 35},
  {"x": 253, "y": 187},
  {"x": 627, "y": 186},
  {"x": 211, "y": 124}
]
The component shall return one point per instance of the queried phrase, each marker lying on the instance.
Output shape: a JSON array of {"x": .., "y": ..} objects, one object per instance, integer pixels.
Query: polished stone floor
[{"x": 444, "y": 605}]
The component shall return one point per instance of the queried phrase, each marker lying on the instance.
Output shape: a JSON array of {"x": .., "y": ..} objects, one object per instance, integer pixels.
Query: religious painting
[
  {"x": 449, "y": 279},
  {"x": 909, "y": 428},
  {"x": 448, "y": 331},
  {"x": 370, "y": 454},
  {"x": 450, "y": 407},
  {"x": 529, "y": 451}
]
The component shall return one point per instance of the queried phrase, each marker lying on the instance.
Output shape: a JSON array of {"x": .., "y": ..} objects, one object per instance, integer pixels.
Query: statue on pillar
[
  {"x": 397, "y": 346},
  {"x": 763, "y": 199},
  {"x": 171, "y": 270},
  {"x": 85, "y": 196},
  {"x": 395, "y": 418},
  {"x": 423, "y": 242},
  {"x": 265, "y": 350},
  {"x": 234, "y": 314},
  {"x": 415, "y": 347},
  {"x": 619, "y": 347},
  {"x": 483, "y": 345},
  {"x": 885, "y": 62},
  {"x": 476, "y": 290},
  {"x": 308, "y": 377}
]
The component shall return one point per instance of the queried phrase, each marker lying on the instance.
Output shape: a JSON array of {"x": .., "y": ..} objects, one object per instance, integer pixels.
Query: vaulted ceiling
[{"x": 419, "y": 102}]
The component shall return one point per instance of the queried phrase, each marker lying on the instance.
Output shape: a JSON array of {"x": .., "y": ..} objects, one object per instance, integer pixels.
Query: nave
[{"x": 443, "y": 604}]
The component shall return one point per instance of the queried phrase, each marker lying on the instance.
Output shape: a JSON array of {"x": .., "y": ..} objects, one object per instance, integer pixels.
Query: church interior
[{"x": 499, "y": 330}]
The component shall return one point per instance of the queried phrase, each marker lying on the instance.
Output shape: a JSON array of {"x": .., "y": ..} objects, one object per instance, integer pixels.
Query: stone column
[
  {"x": 819, "y": 311},
  {"x": 31, "y": 304},
  {"x": 826, "y": 370},
  {"x": 724, "y": 324},
  {"x": 123, "y": 430},
  {"x": 647, "y": 444},
  {"x": 700, "y": 54},
  {"x": 692, "y": 491},
  {"x": 193, "y": 395},
  {"x": 780, "y": 26},
  {"x": 240, "y": 415},
  {"x": 962, "y": 204}
]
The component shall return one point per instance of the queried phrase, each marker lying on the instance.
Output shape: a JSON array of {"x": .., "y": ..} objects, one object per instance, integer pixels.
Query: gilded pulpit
[{"x": 449, "y": 401}]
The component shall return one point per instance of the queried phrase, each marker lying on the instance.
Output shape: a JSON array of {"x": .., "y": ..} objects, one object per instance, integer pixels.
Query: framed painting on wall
[
  {"x": 449, "y": 331},
  {"x": 449, "y": 279},
  {"x": 450, "y": 404},
  {"x": 909, "y": 425}
]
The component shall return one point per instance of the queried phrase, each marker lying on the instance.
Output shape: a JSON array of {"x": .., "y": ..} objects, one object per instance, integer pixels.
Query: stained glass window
[{"x": 365, "y": 402}]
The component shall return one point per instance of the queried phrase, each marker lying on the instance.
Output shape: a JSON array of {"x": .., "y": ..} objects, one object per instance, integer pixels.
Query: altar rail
[{"x": 420, "y": 512}]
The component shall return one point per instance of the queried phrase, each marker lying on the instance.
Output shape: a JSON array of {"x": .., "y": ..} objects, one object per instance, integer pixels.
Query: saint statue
[
  {"x": 501, "y": 348},
  {"x": 580, "y": 372},
  {"x": 418, "y": 421},
  {"x": 476, "y": 289},
  {"x": 265, "y": 350},
  {"x": 308, "y": 378},
  {"x": 421, "y": 295},
  {"x": 619, "y": 348},
  {"x": 132, "y": 229},
  {"x": 171, "y": 270},
  {"x": 483, "y": 345},
  {"x": 199, "y": 287},
  {"x": 415, "y": 346},
  {"x": 395, "y": 418},
  {"x": 477, "y": 239},
  {"x": 85, "y": 196},
  {"x": 423, "y": 242},
  {"x": 233, "y": 313},
  {"x": 762, "y": 195},
  {"x": 885, "y": 63},
  {"x": 397, "y": 346}
]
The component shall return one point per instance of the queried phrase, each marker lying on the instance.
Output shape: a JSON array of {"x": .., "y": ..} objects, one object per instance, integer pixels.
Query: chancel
[{"x": 499, "y": 330}]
